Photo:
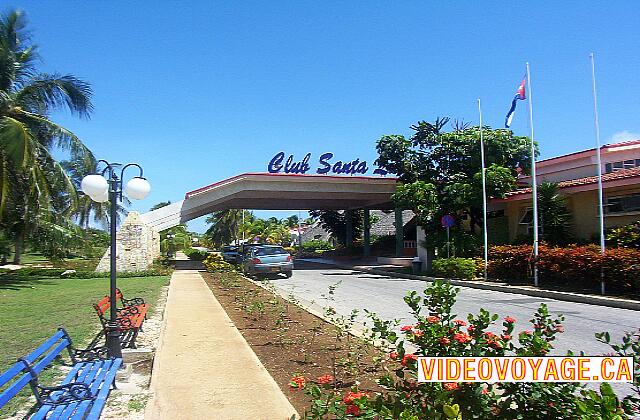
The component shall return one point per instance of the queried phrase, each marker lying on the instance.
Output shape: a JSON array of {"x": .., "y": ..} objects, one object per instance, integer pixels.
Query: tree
[
  {"x": 440, "y": 172},
  {"x": 30, "y": 174},
  {"x": 225, "y": 226},
  {"x": 336, "y": 223},
  {"x": 87, "y": 209},
  {"x": 160, "y": 205},
  {"x": 554, "y": 217}
]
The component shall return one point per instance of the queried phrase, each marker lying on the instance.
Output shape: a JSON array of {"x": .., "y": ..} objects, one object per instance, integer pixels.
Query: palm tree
[
  {"x": 29, "y": 174},
  {"x": 225, "y": 226},
  {"x": 555, "y": 218},
  {"x": 85, "y": 207}
]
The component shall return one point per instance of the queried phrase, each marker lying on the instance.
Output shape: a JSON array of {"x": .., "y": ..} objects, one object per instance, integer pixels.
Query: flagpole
[
  {"x": 599, "y": 163},
  {"x": 484, "y": 195},
  {"x": 534, "y": 183}
]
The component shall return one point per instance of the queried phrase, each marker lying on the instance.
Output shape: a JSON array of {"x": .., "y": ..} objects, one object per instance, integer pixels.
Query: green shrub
[
  {"x": 316, "y": 245},
  {"x": 625, "y": 236},
  {"x": 27, "y": 273},
  {"x": 215, "y": 263},
  {"x": 460, "y": 268},
  {"x": 195, "y": 254}
]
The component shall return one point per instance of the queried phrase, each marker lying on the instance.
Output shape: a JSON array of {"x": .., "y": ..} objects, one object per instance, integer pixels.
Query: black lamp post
[{"x": 111, "y": 189}]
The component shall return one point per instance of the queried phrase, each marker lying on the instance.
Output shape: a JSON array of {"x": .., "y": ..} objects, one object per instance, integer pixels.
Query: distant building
[{"x": 576, "y": 176}]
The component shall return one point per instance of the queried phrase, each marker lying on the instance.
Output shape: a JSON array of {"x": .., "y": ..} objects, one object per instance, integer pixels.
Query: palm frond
[{"x": 46, "y": 92}]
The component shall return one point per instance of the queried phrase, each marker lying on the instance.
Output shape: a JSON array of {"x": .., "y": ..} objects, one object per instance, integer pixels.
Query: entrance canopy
[{"x": 267, "y": 191}]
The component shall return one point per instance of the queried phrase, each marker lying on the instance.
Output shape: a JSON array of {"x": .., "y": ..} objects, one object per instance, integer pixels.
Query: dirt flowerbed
[{"x": 289, "y": 341}]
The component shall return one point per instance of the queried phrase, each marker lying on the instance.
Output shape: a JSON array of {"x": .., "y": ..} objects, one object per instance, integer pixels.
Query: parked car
[
  {"x": 267, "y": 260},
  {"x": 230, "y": 254}
]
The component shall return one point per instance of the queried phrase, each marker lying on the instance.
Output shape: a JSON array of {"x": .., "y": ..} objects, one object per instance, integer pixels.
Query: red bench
[{"x": 130, "y": 317}]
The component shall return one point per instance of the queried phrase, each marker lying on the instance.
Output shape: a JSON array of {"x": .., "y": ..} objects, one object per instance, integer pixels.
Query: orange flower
[
  {"x": 509, "y": 320},
  {"x": 433, "y": 319},
  {"x": 406, "y": 328},
  {"x": 325, "y": 379},
  {"x": 393, "y": 355},
  {"x": 417, "y": 333},
  {"x": 297, "y": 382},
  {"x": 407, "y": 358},
  {"x": 460, "y": 322},
  {"x": 444, "y": 341},
  {"x": 451, "y": 386},
  {"x": 462, "y": 337},
  {"x": 350, "y": 397}
]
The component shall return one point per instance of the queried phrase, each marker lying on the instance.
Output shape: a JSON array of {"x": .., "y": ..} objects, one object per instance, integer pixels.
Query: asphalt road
[{"x": 384, "y": 295}]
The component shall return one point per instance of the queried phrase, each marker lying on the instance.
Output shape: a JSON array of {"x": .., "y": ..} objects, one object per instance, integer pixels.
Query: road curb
[{"x": 549, "y": 294}]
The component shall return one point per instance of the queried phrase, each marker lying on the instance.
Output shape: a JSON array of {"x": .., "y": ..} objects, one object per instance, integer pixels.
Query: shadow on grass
[{"x": 9, "y": 282}]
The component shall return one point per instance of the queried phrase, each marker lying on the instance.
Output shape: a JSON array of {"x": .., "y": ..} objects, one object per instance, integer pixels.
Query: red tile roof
[{"x": 613, "y": 176}]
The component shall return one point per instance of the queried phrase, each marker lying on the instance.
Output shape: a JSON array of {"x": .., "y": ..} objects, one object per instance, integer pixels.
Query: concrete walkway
[{"x": 204, "y": 369}]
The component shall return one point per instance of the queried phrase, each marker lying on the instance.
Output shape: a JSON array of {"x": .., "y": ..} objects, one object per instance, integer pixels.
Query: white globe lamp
[
  {"x": 102, "y": 198},
  {"x": 94, "y": 185},
  {"x": 138, "y": 188}
]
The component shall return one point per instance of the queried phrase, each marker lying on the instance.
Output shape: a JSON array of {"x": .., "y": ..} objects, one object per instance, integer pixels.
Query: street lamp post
[{"x": 110, "y": 189}]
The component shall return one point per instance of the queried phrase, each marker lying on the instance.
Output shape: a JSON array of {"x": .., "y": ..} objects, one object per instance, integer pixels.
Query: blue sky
[{"x": 199, "y": 91}]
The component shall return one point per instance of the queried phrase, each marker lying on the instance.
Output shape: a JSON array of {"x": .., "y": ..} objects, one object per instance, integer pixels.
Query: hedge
[
  {"x": 572, "y": 265},
  {"x": 458, "y": 268}
]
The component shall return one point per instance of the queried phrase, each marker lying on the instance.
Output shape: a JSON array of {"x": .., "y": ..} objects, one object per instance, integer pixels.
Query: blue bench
[{"x": 80, "y": 395}]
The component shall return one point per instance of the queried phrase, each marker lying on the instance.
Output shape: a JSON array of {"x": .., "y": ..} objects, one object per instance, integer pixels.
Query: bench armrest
[
  {"x": 128, "y": 311},
  {"x": 132, "y": 302},
  {"x": 91, "y": 353},
  {"x": 63, "y": 394}
]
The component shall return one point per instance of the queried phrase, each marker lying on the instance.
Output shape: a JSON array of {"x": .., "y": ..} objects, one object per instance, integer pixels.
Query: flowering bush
[
  {"x": 458, "y": 268},
  {"x": 215, "y": 263},
  {"x": 572, "y": 264},
  {"x": 438, "y": 332}
]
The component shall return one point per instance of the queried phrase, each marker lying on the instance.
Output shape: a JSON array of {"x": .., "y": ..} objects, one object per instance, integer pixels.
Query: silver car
[{"x": 267, "y": 260}]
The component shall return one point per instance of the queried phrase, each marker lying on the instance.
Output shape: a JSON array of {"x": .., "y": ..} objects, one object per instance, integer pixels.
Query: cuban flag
[{"x": 519, "y": 96}]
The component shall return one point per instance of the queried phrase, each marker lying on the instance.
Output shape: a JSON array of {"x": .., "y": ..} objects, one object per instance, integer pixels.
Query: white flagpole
[
  {"x": 534, "y": 184},
  {"x": 484, "y": 195},
  {"x": 599, "y": 163}
]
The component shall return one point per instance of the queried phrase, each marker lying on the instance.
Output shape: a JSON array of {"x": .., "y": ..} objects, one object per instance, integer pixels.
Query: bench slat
[
  {"x": 46, "y": 360},
  {"x": 11, "y": 373},
  {"x": 13, "y": 389},
  {"x": 34, "y": 355},
  {"x": 82, "y": 410},
  {"x": 101, "y": 400}
]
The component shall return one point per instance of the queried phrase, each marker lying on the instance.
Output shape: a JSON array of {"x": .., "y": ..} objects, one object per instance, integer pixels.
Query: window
[
  {"x": 623, "y": 164},
  {"x": 270, "y": 250},
  {"x": 527, "y": 217},
  {"x": 623, "y": 204}
]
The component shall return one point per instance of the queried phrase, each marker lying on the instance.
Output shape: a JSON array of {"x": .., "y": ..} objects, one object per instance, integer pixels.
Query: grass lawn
[{"x": 31, "y": 311}]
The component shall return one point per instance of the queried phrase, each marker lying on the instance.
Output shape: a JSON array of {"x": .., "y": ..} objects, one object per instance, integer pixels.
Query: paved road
[{"x": 383, "y": 295}]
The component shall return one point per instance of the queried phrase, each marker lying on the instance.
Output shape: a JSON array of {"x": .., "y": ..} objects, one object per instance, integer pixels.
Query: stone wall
[{"x": 137, "y": 245}]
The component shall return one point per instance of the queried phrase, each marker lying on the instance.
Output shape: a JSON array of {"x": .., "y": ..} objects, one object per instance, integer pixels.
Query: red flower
[
  {"x": 352, "y": 410},
  {"x": 527, "y": 332},
  {"x": 471, "y": 328},
  {"x": 489, "y": 335},
  {"x": 406, "y": 328},
  {"x": 297, "y": 382},
  {"x": 560, "y": 328},
  {"x": 393, "y": 355},
  {"x": 417, "y": 333},
  {"x": 444, "y": 341},
  {"x": 495, "y": 344},
  {"x": 350, "y": 397},
  {"x": 484, "y": 391},
  {"x": 451, "y": 386},
  {"x": 407, "y": 358},
  {"x": 506, "y": 337},
  {"x": 433, "y": 319},
  {"x": 460, "y": 322},
  {"x": 461, "y": 337},
  {"x": 509, "y": 320},
  {"x": 325, "y": 379}
]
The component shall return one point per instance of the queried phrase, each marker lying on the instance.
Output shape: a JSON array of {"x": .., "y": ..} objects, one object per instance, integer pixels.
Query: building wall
[{"x": 583, "y": 206}]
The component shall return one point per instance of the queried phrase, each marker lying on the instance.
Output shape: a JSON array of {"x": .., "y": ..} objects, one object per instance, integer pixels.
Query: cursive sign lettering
[{"x": 290, "y": 166}]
